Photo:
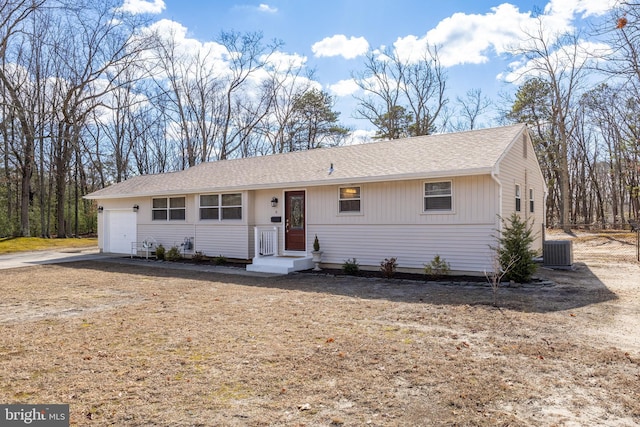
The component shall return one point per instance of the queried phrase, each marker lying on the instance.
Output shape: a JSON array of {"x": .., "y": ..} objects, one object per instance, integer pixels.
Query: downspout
[{"x": 494, "y": 174}]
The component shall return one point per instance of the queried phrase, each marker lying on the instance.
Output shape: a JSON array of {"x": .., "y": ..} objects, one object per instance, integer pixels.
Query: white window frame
[
  {"x": 216, "y": 207},
  {"x": 531, "y": 201},
  {"x": 168, "y": 209},
  {"x": 221, "y": 207},
  {"x": 341, "y": 199},
  {"x": 425, "y": 197},
  {"x": 518, "y": 198}
]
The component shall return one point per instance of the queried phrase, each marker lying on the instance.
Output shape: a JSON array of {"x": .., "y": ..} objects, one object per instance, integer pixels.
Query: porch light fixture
[
  {"x": 100, "y": 209},
  {"x": 274, "y": 201},
  {"x": 135, "y": 208}
]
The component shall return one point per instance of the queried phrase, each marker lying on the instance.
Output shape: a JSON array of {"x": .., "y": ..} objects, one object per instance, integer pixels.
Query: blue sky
[{"x": 332, "y": 35}]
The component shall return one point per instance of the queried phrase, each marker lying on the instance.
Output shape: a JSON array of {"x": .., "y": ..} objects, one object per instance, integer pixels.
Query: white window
[
  {"x": 221, "y": 206},
  {"x": 349, "y": 199},
  {"x": 531, "y": 204},
  {"x": 518, "y": 198},
  {"x": 209, "y": 206},
  {"x": 168, "y": 208},
  {"x": 438, "y": 196}
]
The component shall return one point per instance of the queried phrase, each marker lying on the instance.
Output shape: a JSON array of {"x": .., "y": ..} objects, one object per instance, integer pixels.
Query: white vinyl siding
[
  {"x": 399, "y": 227},
  {"x": 224, "y": 239},
  {"x": 514, "y": 169},
  {"x": 402, "y": 202},
  {"x": 465, "y": 247}
]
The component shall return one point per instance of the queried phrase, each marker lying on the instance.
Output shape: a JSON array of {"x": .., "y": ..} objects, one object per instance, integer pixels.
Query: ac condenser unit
[{"x": 557, "y": 253}]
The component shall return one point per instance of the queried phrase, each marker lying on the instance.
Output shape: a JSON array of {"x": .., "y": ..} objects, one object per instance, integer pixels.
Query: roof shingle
[{"x": 452, "y": 154}]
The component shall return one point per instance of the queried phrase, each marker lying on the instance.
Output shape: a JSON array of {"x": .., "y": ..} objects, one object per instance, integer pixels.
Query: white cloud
[
  {"x": 585, "y": 8},
  {"x": 344, "y": 88},
  {"x": 283, "y": 61},
  {"x": 360, "y": 136},
  {"x": 340, "y": 45},
  {"x": 141, "y": 6},
  {"x": 190, "y": 52},
  {"x": 561, "y": 59},
  {"x": 468, "y": 39},
  {"x": 196, "y": 58},
  {"x": 266, "y": 8},
  {"x": 472, "y": 38}
]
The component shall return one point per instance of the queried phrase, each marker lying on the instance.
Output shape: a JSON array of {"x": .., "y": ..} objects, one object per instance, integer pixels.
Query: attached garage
[{"x": 119, "y": 231}]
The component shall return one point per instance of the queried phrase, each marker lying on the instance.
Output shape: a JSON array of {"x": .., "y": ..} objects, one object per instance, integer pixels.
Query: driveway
[{"x": 25, "y": 259}]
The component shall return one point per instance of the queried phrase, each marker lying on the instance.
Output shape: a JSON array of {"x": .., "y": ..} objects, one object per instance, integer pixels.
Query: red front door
[{"x": 294, "y": 237}]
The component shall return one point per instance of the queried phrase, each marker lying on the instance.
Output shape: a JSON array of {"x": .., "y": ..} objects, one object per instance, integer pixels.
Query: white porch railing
[{"x": 266, "y": 241}]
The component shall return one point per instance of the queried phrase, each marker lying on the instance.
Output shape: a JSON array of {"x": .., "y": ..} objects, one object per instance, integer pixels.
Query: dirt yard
[{"x": 143, "y": 345}]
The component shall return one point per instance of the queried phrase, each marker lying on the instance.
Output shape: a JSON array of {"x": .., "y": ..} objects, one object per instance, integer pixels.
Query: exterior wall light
[
  {"x": 274, "y": 201},
  {"x": 135, "y": 208},
  {"x": 100, "y": 209}
]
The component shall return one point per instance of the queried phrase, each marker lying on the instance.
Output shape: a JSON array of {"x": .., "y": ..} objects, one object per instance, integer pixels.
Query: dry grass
[
  {"x": 19, "y": 244},
  {"x": 143, "y": 345}
]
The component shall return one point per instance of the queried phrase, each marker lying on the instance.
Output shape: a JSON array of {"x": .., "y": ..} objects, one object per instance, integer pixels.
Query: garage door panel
[{"x": 120, "y": 231}]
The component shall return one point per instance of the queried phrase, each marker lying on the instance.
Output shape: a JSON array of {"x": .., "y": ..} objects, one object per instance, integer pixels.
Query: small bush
[
  {"x": 438, "y": 267},
  {"x": 220, "y": 260},
  {"x": 388, "y": 267},
  {"x": 160, "y": 252},
  {"x": 173, "y": 254},
  {"x": 198, "y": 256},
  {"x": 351, "y": 267}
]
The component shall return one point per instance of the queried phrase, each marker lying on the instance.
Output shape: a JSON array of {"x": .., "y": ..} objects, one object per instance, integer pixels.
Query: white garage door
[{"x": 120, "y": 232}]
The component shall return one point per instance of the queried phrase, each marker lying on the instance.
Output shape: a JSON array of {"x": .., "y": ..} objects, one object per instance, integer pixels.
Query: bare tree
[
  {"x": 560, "y": 62},
  {"x": 93, "y": 48},
  {"x": 380, "y": 82},
  {"x": 423, "y": 85},
  {"x": 471, "y": 107},
  {"x": 17, "y": 84},
  {"x": 287, "y": 82},
  {"x": 188, "y": 80},
  {"x": 247, "y": 54},
  {"x": 402, "y": 96}
]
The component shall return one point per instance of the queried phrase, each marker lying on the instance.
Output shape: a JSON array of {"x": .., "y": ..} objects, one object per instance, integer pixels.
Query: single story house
[{"x": 411, "y": 198}]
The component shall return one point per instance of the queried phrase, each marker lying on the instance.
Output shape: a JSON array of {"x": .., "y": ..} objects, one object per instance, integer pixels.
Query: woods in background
[{"x": 90, "y": 95}]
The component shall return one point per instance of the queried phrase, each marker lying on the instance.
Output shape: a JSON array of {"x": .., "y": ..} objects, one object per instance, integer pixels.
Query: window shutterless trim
[
  {"x": 169, "y": 208},
  {"x": 437, "y": 200},
  {"x": 350, "y": 205},
  {"x": 223, "y": 207}
]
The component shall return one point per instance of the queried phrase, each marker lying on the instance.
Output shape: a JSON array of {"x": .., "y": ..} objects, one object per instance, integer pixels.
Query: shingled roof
[{"x": 432, "y": 156}]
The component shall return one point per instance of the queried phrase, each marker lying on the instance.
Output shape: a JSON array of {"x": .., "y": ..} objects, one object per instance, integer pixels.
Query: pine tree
[{"x": 514, "y": 252}]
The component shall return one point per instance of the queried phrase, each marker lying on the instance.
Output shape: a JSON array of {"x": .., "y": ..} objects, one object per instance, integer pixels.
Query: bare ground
[{"x": 142, "y": 344}]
